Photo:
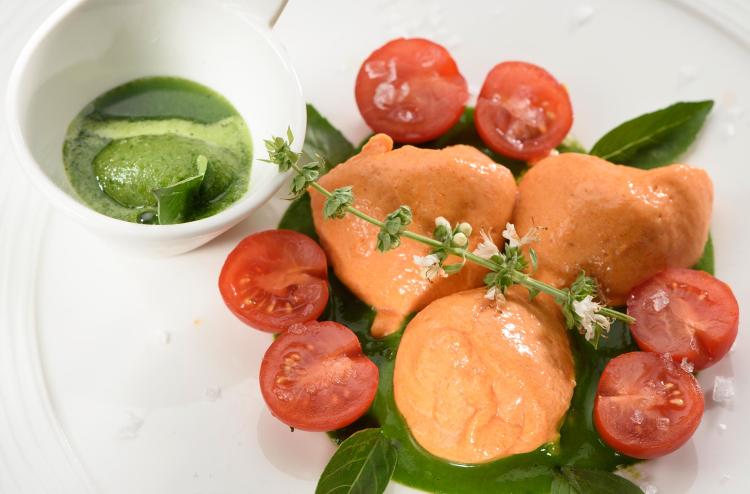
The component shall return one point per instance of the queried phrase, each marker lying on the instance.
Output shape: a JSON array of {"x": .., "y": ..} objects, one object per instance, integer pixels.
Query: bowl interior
[{"x": 99, "y": 44}]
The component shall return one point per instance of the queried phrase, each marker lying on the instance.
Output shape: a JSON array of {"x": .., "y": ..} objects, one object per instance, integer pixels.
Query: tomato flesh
[
  {"x": 411, "y": 89},
  {"x": 274, "y": 279},
  {"x": 315, "y": 377},
  {"x": 646, "y": 405},
  {"x": 522, "y": 111},
  {"x": 686, "y": 313}
]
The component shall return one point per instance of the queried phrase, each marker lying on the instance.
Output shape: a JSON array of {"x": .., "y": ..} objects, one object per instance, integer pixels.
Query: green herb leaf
[
  {"x": 363, "y": 464},
  {"x": 394, "y": 224},
  {"x": 280, "y": 151},
  {"x": 586, "y": 481},
  {"x": 323, "y": 139},
  {"x": 706, "y": 262},
  {"x": 310, "y": 173},
  {"x": 654, "y": 139},
  {"x": 173, "y": 202},
  {"x": 335, "y": 206}
]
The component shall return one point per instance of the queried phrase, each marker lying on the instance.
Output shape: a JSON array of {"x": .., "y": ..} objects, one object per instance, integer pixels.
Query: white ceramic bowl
[{"x": 90, "y": 46}]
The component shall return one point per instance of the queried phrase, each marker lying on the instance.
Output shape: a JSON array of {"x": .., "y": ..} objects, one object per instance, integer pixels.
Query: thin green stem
[{"x": 518, "y": 277}]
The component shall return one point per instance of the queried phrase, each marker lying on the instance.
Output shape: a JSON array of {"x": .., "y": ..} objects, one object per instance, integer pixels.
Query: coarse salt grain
[
  {"x": 688, "y": 72},
  {"x": 662, "y": 423},
  {"x": 131, "y": 427},
  {"x": 660, "y": 299},
  {"x": 723, "y": 427},
  {"x": 687, "y": 365},
  {"x": 650, "y": 489},
  {"x": 582, "y": 15},
  {"x": 213, "y": 393},
  {"x": 723, "y": 389}
]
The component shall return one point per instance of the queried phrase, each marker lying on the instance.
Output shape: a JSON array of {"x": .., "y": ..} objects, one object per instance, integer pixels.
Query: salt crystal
[
  {"x": 637, "y": 417},
  {"x": 687, "y": 365},
  {"x": 735, "y": 111},
  {"x": 582, "y": 15},
  {"x": 662, "y": 423},
  {"x": 213, "y": 393},
  {"x": 660, "y": 299},
  {"x": 650, "y": 489},
  {"x": 130, "y": 430},
  {"x": 688, "y": 72},
  {"x": 723, "y": 389},
  {"x": 723, "y": 427}
]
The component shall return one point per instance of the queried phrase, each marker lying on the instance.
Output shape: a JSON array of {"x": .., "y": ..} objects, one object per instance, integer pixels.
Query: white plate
[{"x": 122, "y": 375}]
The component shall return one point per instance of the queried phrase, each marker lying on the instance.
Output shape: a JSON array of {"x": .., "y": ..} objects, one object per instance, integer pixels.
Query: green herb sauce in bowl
[{"x": 158, "y": 150}]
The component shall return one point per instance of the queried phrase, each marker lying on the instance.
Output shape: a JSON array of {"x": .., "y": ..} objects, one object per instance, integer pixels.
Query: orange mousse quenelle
[
  {"x": 477, "y": 383},
  {"x": 619, "y": 224},
  {"x": 457, "y": 182}
]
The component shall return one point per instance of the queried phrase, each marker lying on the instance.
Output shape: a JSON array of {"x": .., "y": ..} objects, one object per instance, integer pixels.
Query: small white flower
[
  {"x": 460, "y": 240},
  {"x": 430, "y": 265},
  {"x": 515, "y": 241},
  {"x": 486, "y": 248},
  {"x": 465, "y": 228},
  {"x": 441, "y": 221},
  {"x": 495, "y": 294},
  {"x": 588, "y": 310}
]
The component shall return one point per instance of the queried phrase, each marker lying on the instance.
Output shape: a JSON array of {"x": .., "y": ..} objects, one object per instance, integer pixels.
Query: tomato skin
[
  {"x": 686, "y": 313},
  {"x": 275, "y": 278},
  {"x": 523, "y": 112},
  {"x": 314, "y": 377},
  {"x": 411, "y": 89},
  {"x": 646, "y": 405}
]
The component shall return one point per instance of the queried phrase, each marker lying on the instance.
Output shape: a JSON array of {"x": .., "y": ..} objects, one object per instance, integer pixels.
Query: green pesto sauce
[
  {"x": 147, "y": 134},
  {"x": 579, "y": 444}
]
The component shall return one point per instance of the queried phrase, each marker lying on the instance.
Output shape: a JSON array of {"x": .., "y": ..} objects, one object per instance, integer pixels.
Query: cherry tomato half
[
  {"x": 411, "y": 89},
  {"x": 315, "y": 377},
  {"x": 522, "y": 111},
  {"x": 686, "y": 313},
  {"x": 646, "y": 405},
  {"x": 274, "y": 279}
]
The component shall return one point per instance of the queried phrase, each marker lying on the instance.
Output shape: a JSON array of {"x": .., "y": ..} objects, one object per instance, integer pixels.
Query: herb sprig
[{"x": 507, "y": 267}]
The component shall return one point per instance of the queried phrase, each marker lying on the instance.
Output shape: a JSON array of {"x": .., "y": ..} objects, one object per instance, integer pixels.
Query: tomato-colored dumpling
[
  {"x": 619, "y": 224},
  {"x": 458, "y": 182},
  {"x": 476, "y": 384}
]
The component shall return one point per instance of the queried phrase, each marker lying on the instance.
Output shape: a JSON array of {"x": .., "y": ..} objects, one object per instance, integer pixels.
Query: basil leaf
[
  {"x": 363, "y": 464},
  {"x": 573, "y": 480},
  {"x": 570, "y": 145},
  {"x": 298, "y": 217},
  {"x": 322, "y": 138},
  {"x": 706, "y": 262},
  {"x": 173, "y": 202},
  {"x": 654, "y": 139}
]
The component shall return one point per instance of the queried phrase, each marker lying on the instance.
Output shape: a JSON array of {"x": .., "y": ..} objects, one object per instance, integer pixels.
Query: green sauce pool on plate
[{"x": 151, "y": 134}]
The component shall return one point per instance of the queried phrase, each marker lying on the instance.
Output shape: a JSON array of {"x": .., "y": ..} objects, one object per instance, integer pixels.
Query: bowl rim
[{"x": 87, "y": 216}]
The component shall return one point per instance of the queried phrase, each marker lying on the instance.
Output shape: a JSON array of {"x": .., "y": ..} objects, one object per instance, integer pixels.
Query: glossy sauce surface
[{"x": 147, "y": 134}]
